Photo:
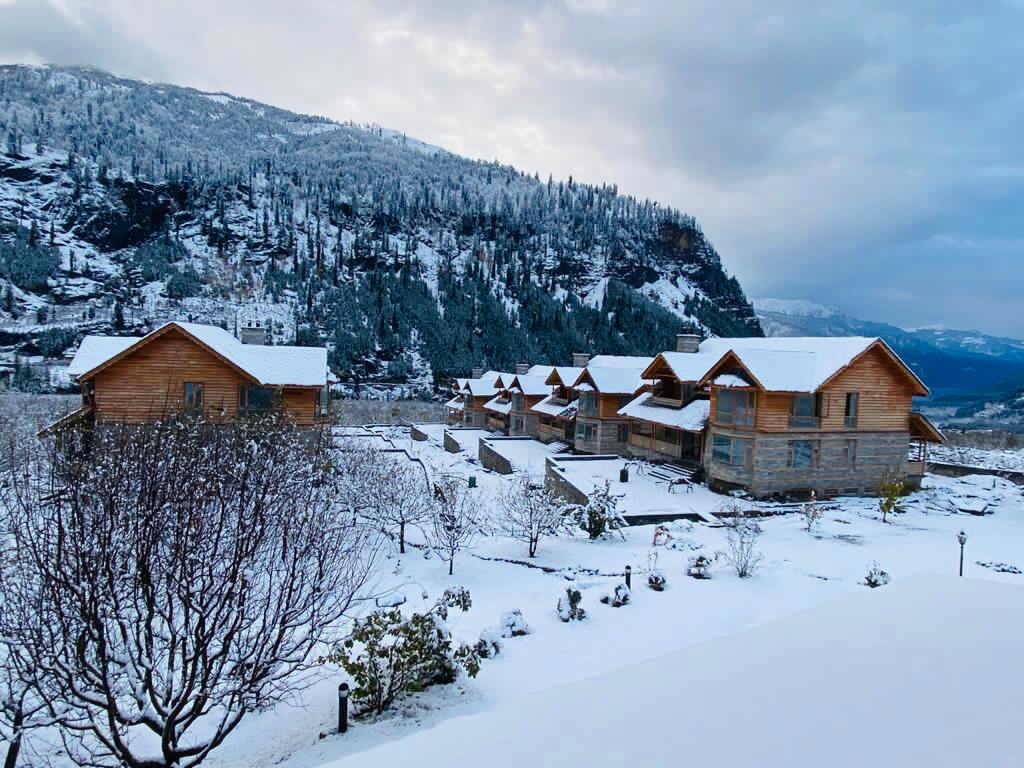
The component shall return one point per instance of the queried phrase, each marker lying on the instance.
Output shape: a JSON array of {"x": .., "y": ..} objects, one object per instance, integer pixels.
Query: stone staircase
[
  {"x": 558, "y": 447},
  {"x": 672, "y": 474}
]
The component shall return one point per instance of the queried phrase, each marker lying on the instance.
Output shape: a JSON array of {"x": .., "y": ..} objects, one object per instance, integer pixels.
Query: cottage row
[{"x": 770, "y": 416}]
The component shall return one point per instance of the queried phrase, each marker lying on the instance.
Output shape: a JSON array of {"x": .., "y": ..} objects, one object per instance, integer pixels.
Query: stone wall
[{"x": 493, "y": 460}]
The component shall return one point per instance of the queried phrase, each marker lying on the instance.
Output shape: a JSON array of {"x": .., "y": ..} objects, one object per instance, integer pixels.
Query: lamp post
[
  {"x": 962, "y": 538},
  {"x": 342, "y": 707}
]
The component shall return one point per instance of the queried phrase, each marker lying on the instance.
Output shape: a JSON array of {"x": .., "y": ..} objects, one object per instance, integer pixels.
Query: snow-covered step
[{"x": 558, "y": 447}]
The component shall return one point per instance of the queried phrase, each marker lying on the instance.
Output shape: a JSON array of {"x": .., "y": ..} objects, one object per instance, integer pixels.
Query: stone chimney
[
  {"x": 580, "y": 359},
  {"x": 254, "y": 334},
  {"x": 687, "y": 342},
  {"x": 522, "y": 369},
  {"x": 476, "y": 373}
]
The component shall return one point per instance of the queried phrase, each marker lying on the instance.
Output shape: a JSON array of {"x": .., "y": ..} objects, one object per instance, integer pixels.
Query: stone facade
[
  {"x": 493, "y": 460},
  {"x": 597, "y": 435},
  {"x": 768, "y": 473}
]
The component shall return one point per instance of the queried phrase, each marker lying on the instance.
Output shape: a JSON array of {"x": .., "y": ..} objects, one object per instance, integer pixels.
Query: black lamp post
[
  {"x": 342, "y": 707},
  {"x": 962, "y": 538}
]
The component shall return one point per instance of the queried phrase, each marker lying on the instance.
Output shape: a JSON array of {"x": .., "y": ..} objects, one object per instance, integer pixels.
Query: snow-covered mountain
[
  {"x": 965, "y": 368},
  {"x": 124, "y": 203}
]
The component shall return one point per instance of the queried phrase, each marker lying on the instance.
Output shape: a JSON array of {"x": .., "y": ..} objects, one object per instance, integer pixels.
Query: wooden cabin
[
  {"x": 785, "y": 416},
  {"x": 604, "y": 387},
  {"x": 525, "y": 391},
  {"x": 477, "y": 393},
  {"x": 556, "y": 413},
  {"x": 200, "y": 370}
]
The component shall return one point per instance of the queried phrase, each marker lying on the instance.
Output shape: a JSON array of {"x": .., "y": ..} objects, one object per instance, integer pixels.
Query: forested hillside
[{"x": 123, "y": 204}]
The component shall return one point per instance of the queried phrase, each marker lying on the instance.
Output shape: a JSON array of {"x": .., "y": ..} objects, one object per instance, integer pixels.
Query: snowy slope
[{"x": 910, "y": 675}]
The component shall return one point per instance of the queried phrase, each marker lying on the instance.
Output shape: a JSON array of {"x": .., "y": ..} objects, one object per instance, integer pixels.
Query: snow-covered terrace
[
  {"x": 643, "y": 496},
  {"x": 691, "y": 417},
  {"x": 524, "y": 454}
]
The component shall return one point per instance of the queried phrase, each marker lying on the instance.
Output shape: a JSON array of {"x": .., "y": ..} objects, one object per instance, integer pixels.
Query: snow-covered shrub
[
  {"x": 742, "y": 535},
  {"x": 513, "y": 624},
  {"x": 618, "y": 597},
  {"x": 388, "y": 655},
  {"x": 812, "y": 513},
  {"x": 876, "y": 577},
  {"x": 699, "y": 567},
  {"x": 600, "y": 515},
  {"x": 489, "y": 644},
  {"x": 570, "y": 606},
  {"x": 656, "y": 580}
]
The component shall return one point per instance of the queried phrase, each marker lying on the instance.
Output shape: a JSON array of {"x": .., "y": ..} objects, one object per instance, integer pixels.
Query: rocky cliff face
[{"x": 123, "y": 204}]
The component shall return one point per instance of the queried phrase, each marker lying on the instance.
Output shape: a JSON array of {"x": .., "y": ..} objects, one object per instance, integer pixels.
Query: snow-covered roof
[
  {"x": 481, "y": 387},
  {"x": 613, "y": 381},
  {"x": 549, "y": 407},
  {"x": 566, "y": 375},
  {"x": 272, "y": 366},
  {"x": 690, "y": 417},
  {"x": 619, "y": 361},
  {"x": 543, "y": 371},
  {"x": 96, "y": 350},
  {"x": 792, "y": 364},
  {"x": 782, "y": 364},
  {"x": 498, "y": 406},
  {"x": 530, "y": 385},
  {"x": 730, "y": 380},
  {"x": 454, "y": 404}
]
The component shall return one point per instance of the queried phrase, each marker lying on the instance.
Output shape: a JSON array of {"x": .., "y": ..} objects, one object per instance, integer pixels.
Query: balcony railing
[{"x": 804, "y": 422}]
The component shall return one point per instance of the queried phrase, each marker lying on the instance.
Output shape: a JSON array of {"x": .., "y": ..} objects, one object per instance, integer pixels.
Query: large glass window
[
  {"x": 253, "y": 399},
  {"x": 806, "y": 411},
  {"x": 734, "y": 451},
  {"x": 735, "y": 408},
  {"x": 588, "y": 403}
]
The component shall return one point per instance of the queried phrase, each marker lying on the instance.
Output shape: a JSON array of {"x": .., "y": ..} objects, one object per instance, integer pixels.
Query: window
[
  {"x": 588, "y": 404},
  {"x": 584, "y": 431},
  {"x": 851, "y": 453},
  {"x": 517, "y": 424},
  {"x": 734, "y": 451},
  {"x": 193, "y": 396},
  {"x": 734, "y": 408},
  {"x": 666, "y": 435},
  {"x": 517, "y": 401},
  {"x": 852, "y": 408},
  {"x": 803, "y": 454},
  {"x": 323, "y": 406},
  {"x": 623, "y": 433},
  {"x": 253, "y": 399},
  {"x": 670, "y": 389},
  {"x": 806, "y": 411}
]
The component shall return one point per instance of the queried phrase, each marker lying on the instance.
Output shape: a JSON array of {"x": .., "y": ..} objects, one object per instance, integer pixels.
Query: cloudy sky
[{"x": 865, "y": 155}]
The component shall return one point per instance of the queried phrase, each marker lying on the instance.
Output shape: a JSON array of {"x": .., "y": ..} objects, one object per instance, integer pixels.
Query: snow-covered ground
[
  {"x": 1006, "y": 459},
  {"x": 799, "y": 665}
]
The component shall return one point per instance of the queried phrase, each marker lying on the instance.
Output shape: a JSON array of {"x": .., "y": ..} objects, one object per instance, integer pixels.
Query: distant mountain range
[
  {"x": 124, "y": 203},
  {"x": 970, "y": 373}
]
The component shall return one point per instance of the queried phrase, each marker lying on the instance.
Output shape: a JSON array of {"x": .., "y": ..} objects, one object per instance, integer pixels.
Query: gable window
[
  {"x": 193, "y": 396},
  {"x": 852, "y": 409},
  {"x": 733, "y": 451},
  {"x": 734, "y": 408},
  {"x": 803, "y": 454},
  {"x": 805, "y": 411}
]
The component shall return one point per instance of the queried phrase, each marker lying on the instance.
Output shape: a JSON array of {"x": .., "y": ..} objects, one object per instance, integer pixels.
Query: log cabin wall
[{"x": 150, "y": 382}]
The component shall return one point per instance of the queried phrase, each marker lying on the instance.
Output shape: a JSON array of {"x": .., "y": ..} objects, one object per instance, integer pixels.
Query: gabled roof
[
  {"x": 564, "y": 375},
  {"x": 497, "y": 405},
  {"x": 530, "y": 385},
  {"x": 549, "y": 407},
  {"x": 260, "y": 364},
  {"x": 542, "y": 371},
  {"x": 482, "y": 387},
  {"x": 611, "y": 381},
  {"x": 921, "y": 428},
  {"x": 619, "y": 361}
]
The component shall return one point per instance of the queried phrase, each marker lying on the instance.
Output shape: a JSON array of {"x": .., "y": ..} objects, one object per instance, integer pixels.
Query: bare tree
[
  {"x": 742, "y": 534},
  {"x": 454, "y": 520},
  {"x": 184, "y": 574},
  {"x": 531, "y": 512},
  {"x": 812, "y": 513},
  {"x": 396, "y": 494}
]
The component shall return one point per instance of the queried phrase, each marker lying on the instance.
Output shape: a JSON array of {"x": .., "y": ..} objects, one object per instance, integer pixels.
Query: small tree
[
  {"x": 530, "y": 512},
  {"x": 889, "y": 492},
  {"x": 570, "y": 606},
  {"x": 742, "y": 535},
  {"x": 812, "y": 513},
  {"x": 454, "y": 520},
  {"x": 876, "y": 577},
  {"x": 600, "y": 515},
  {"x": 392, "y": 492}
]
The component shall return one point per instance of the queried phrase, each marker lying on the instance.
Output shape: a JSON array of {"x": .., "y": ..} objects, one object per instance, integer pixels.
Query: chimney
[
  {"x": 522, "y": 369},
  {"x": 254, "y": 334},
  {"x": 580, "y": 359},
  {"x": 476, "y": 373},
  {"x": 687, "y": 342}
]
